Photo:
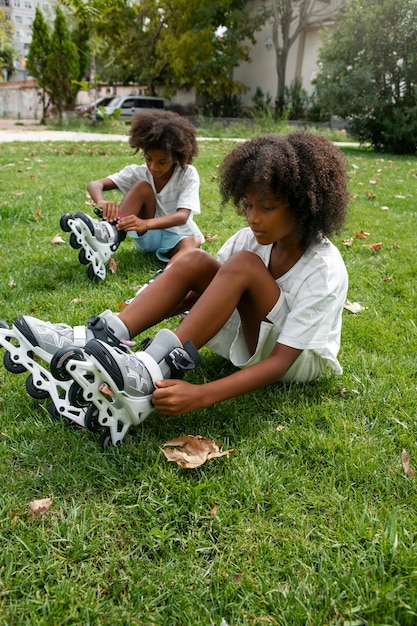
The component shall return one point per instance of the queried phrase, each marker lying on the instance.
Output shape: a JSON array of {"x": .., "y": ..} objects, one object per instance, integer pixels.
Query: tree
[
  {"x": 368, "y": 72},
  {"x": 6, "y": 46},
  {"x": 169, "y": 44},
  {"x": 37, "y": 59},
  {"x": 290, "y": 18},
  {"x": 62, "y": 66}
]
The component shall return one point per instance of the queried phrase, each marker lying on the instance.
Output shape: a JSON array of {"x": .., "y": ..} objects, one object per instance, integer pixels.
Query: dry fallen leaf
[
  {"x": 37, "y": 507},
  {"x": 112, "y": 266},
  {"x": 353, "y": 307},
  {"x": 405, "y": 459},
  {"x": 374, "y": 246},
  {"x": 192, "y": 451},
  {"x": 57, "y": 239},
  {"x": 210, "y": 237}
]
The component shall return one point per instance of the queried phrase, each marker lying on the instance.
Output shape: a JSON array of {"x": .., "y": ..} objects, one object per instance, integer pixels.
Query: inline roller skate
[
  {"x": 119, "y": 385},
  {"x": 30, "y": 345},
  {"x": 96, "y": 240}
]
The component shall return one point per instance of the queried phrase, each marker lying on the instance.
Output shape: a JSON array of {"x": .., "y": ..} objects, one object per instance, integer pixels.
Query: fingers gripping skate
[
  {"x": 116, "y": 409},
  {"x": 21, "y": 356}
]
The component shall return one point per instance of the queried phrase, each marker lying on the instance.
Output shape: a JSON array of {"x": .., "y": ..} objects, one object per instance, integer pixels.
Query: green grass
[{"x": 316, "y": 520}]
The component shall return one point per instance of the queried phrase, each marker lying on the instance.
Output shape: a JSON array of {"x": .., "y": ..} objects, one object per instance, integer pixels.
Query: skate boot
[
  {"x": 96, "y": 240},
  {"x": 120, "y": 385},
  {"x": 30, "y": 345}
]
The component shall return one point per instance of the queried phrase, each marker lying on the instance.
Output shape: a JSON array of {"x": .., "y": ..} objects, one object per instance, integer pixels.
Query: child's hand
[
  {"x": 132, "y": 222},
  {"x": 110, "y": 210},
  {"x": 174, "y": 397}
]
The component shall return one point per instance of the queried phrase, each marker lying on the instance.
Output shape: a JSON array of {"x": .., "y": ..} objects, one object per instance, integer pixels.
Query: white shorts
[{"x": 231, "y": 344}]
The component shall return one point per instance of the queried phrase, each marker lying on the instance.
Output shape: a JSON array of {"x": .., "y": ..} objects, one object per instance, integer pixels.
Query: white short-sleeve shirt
[
  {"x": 180, "y": 192},
  {"x": 308, "y": 314}
]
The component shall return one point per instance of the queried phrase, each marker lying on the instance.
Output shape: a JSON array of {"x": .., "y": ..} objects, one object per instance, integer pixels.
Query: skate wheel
[
  {"x": 73, "y": 242},
  {"x": 90, "y": 272},
  {"x": 82, "y": 257},
  {"x": 91, "y": 419},
  {"x": 11, "y": 366},
  {"x": 63, "y": 222},
  {"x": 33, "y": 391},
  {"x": 105, "y": 439},
  {"x": 61, "y": 358},
  {"x": 75, "y": 396},
  {"x": 53, "y": 411}
]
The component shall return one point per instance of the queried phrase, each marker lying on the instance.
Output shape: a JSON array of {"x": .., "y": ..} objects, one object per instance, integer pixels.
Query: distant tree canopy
[
  {"x": 368, "y": 72},
  {"x": 171, "y": 44},
  {"x": 57, "y": 61},
  {"x": 6, "y": 46}
]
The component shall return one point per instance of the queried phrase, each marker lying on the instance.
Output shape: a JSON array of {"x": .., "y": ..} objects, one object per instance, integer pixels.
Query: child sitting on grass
[
  {"x": 160, "y": 197},
  {"x": 272, "y": 302}
]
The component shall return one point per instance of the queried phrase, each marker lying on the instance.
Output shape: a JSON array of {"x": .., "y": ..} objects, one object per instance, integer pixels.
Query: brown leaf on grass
[
  {"x": 361, "y": 234},
  {"x": 353, "y": 307},
  {"x": 112, "y": 266},
  {"x": 210, "y": 237},
  {"x": 405, "y": 459},
  {"x": 57, "y": 239},
  {"x": 374, "y": 246},
  {"x": 370, "y": 195},
  {"x": 37, "y": 507},
  {"x": 192, "y": 451},
  {"x": 37, "y": 215},
  {"x": 348, "y": 242}
]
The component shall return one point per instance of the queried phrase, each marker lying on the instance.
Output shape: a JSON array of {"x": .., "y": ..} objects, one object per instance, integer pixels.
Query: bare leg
[
  {"x": 185, "y": 245},
  {"x": 243, "y": 282},
  {"x": 192, "y": 272},
  {"x": 139, "y": 200}
]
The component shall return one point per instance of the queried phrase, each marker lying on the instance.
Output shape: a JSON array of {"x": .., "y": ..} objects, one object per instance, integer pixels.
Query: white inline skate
[
  {"x": 119, "y": 385},
  {"x": 30, "y": 345},
  {"x": 96, "y": 240}
]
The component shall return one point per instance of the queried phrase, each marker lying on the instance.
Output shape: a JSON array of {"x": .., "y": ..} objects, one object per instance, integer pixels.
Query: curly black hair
[
  {"x": 306, "y": 170},
  {"x": 167, "y": 131}
]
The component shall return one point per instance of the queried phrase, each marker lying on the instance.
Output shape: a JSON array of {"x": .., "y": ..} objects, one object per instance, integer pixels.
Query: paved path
[{"x": 28, "y": 130}]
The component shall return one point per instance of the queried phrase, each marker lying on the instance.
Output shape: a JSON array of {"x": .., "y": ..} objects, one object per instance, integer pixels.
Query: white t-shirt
[
  {"x": 180, "y": 192},
  {"x": 314, "y": 290}
]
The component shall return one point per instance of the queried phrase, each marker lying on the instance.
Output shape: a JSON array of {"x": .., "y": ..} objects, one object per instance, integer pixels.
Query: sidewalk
[{"x": 30, "y": 130}]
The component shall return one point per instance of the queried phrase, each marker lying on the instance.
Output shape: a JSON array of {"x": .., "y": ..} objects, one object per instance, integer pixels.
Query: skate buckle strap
[
  {"x": 181, "y": 360},
  {"x": 80, "y": 335},
  {"x": 100, "y": 330}
]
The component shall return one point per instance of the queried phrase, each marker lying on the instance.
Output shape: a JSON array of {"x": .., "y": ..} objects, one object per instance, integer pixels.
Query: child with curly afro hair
[
  {"x": 271, "y": 302},
  {"x": 162, "y": 195}
]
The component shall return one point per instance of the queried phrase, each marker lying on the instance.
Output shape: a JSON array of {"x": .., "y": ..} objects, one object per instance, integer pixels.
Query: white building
[
  {"x": 22, "y": 13},
  {"x": 302, "y": 60}
]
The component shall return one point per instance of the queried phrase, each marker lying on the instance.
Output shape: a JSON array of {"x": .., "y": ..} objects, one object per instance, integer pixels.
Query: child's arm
[
  {"x": 132, "y": 222},
  {"x": 96, "y": 188},
  {"x": 173, "y": 397}
]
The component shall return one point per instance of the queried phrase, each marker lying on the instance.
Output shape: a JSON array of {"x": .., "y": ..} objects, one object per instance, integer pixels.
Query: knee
[{"x": 243, "y": 262}]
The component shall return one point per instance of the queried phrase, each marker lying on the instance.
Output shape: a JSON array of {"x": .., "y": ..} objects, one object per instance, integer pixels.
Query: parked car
[
  {"x": 84, "y": 109},
  {"x": 129, "y": 105}
]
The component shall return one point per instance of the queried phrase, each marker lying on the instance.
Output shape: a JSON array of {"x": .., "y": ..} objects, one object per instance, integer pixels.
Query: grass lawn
[{"x": 312, "y": 520}]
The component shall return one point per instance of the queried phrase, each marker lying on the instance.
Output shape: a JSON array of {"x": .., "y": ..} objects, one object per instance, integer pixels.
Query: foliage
[
  {"x": 62, "y": 66},
  {"x": 368, "y": 70},
  {"x": 168, "y": 45},
  {"x": 311, "y": 521},
  {"x": 37, "y": 59},
  {"x": 6, "y": 47},
  {"x": 289, "y": 20},
  {"x": 296, "y": 100}
]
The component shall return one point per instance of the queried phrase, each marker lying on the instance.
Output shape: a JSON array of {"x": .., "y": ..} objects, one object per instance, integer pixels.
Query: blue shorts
[{"x": 161, "y": 242}]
